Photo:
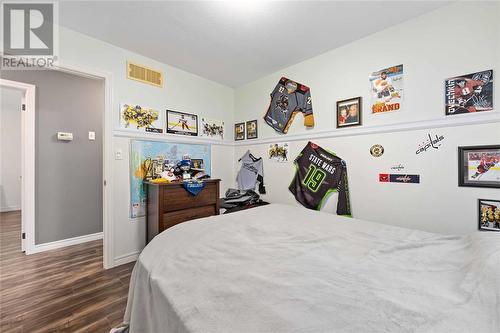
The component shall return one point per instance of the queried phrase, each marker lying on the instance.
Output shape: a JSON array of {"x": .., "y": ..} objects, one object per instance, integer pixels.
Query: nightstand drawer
[{"x": 173, "y": 218}]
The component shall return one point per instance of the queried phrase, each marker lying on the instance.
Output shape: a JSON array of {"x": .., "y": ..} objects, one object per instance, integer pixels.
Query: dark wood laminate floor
[{"x": 63, "y": 290}]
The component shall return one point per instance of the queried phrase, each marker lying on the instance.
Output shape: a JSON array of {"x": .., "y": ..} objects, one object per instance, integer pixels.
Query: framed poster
[
  {"x": 252, "y": 129},
  {"x": 489, "y": 215},
  {"x": 469, "y": 93},
  {"x": 479, "y": 166},
  {"x": 349, "y": 112},
  {"x": 279, "y": 152},
  {"x": 182, "y": 123},
  {"x": 239, "y": 131},
  {"x": 140, "y": 118},
  {"x": 212, "y": 128},
  {"x": 387, "y": 89}
]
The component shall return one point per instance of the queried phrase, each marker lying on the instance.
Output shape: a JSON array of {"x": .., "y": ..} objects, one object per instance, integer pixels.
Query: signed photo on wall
[
  {"x": 479, "y": 166},
  {"x": 182, "y": 123},
  {"x": 469, "y": 93}
]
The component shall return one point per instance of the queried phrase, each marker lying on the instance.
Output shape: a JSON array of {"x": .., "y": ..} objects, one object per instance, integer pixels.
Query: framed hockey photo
[
  {"x": 469, "y": 93},
  {"x": 479, "y": 166},
  {"x": 252, "y": 129},
  {"x": 239, "y": 131},
  {"x": 349, "y": 112},
  {"x": 489, "y": 215},
  {"x": 182, "y": 123}
]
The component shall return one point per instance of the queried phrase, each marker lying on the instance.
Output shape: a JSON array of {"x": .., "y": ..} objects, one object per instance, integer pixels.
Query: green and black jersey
[{"x": 319, "y": 173}]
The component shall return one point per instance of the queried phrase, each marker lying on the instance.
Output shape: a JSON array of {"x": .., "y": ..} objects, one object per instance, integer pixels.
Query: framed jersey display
[
  {"x": 182, "y": 123},
  {"x": 140, "y": 118},
  {"x": 387, "y": 89},
  {"x": 349, "y": 112},
  {"x": 287, "y": 99},
  {"x": 469, "y": 93},
  {"x": 252, "y": 129},
  {"x": 479, "y": 166},
  {"x": 319, "y": 174},
  {"x": 239, "y": 131}
]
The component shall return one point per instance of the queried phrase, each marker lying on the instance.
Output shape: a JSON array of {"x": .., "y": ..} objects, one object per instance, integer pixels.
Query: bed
[{"x": 280, "y": 268}]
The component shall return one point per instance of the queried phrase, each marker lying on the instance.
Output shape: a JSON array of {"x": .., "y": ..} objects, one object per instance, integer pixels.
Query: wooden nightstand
[{"x": 169, "y": 204}]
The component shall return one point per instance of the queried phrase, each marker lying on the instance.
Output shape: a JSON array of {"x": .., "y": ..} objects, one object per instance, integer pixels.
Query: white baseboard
[
  {"x": 9, "y": 209},
  {"x": 66, "y": 242},
  {"x": 126, "y": 258}
]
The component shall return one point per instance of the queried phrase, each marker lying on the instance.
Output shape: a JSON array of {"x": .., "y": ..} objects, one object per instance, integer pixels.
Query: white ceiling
[{"x": 235, "y": 42}]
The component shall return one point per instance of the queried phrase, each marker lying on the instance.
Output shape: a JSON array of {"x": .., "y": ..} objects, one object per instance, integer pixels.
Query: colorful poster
[
  {"x": 140, "y": 118},
  {"x": 149, "y": 158},
  {"x": 398, "y": 178},
  {"x": 182, "y": 123},
  {"x": 387, "y": 89},
  {"x": 469, "y": 93},
  {"x": 212, "y": 128},
  {"x": 279, "y": 152},
  {"x": 489, "y": 215}
]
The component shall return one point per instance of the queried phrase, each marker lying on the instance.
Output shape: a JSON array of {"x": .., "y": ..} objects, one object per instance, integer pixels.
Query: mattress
[{"x": 280, "y": 268}]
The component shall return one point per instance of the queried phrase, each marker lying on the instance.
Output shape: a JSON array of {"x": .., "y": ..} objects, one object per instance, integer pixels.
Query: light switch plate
[
  {"x": 118, "y": 154},
  {"x": 92, "y": 136}
]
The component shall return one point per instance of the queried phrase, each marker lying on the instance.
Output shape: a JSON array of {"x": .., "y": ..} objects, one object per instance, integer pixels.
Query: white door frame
[
  {"x": 27, "y": 161},
  {"x": 28, "y": 201},
  {"x": 107, "y": 160}
]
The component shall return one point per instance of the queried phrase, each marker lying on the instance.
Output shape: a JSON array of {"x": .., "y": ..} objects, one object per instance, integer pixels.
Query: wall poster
[
  {"x": 182, "y": 123},
  {"x": 469, "y": 93},
  {"x": 279, "y": 152},
  {"x": 149, "y": 158},
  {"x": 212, "y": 128},
  {"x": 387, "y": 89},
  {"x": 140, "y": 118}
]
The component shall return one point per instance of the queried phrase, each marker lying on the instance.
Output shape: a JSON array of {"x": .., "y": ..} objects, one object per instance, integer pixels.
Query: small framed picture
[
  {"x": 239, "y": 131},
  {"x": 349, "y": 112},
  {"x": 182, "y": 123},
  {"x": 479, "y": 166},
  {"x": 252, "y": 129},
  {"x": 489, "y": 215},
  {"x": 197, "y": 163}
]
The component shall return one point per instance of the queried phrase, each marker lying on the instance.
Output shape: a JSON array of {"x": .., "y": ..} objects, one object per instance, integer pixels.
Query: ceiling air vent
[{"x": 144, "y": 74}]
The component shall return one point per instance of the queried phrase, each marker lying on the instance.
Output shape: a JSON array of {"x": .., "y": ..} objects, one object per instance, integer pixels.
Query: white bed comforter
[{"x": 280, "y": 269}]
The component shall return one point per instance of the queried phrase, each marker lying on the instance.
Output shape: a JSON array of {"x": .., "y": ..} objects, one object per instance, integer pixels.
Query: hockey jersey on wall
[
  {"x": 251, "y": 173},
  {"x": 287, "y": 99},
  {"x": 319, "y": 174}
]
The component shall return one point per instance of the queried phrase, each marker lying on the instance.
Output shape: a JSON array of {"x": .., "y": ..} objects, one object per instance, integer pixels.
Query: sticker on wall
[
  {"x": 212, "y": 128},
  {"x": 430, "y": 142},
  {"x": 377, "y": 150},
  {"x": 387, "y": 89},
  {"x": 279, "y": 152},
  {"x": 469, "y": 93},
  {"x": 182, "y": 123},
  {"x": 398, "y": 178},
  {"x": 140, "y": 118},
  {"x": 398, "y": 167}
]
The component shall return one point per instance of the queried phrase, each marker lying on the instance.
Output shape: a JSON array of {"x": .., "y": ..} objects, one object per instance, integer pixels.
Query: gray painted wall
[{"x": 68, "y": 174}]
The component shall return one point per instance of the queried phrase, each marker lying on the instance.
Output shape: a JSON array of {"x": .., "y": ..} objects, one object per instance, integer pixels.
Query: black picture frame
[
  {"x": 194, "y": 118},
  {"x": 490, "y": 221},
  {"x": 238, "y": 136},
  {"x": 477, "y": 154},
  {"x": 250, "y": 124},
  {"x": 341, "y": 105}
]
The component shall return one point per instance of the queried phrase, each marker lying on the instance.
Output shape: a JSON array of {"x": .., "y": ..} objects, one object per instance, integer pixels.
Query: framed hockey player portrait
[
  {"x": 252, "y": 129},
  {"x": 349, "y": 112},
  {"x": 387, "y": 90},
  {"x": 479, "y": 166},
  {"x": 469, "y": 93},
  {"x": 182, "y": 123},
  {"x": 489, "y": 215},
  {"x": 239, "y": 131}
]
